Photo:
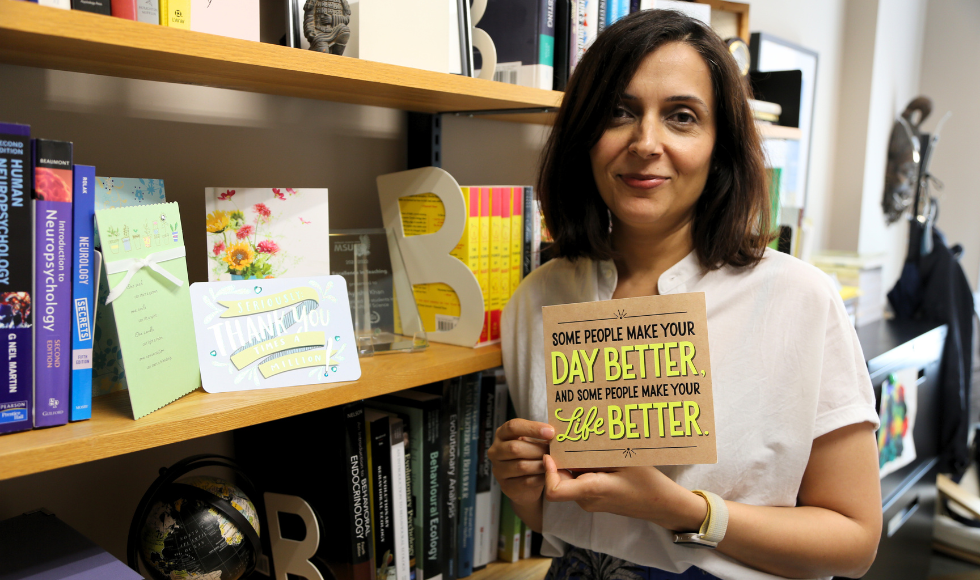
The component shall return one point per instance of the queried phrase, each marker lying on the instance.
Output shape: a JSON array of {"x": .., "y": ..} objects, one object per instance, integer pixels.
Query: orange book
[{"x": 484, "y": 276}]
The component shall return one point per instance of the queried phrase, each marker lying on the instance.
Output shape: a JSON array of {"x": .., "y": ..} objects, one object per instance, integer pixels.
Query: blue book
[
  {"x": 469, "y": 406},
  {"x": 82, "y": 293},
  {"x": 16, "y": 279}
]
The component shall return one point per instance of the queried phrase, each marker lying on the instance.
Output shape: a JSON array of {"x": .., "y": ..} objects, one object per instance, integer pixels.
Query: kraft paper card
[
  {"x": 629, "y": 382},
  {"x": 150, "y": 300},
  {"x": 260, "y": 334}
]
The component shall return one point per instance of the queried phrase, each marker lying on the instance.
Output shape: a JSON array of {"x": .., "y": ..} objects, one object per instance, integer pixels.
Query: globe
[{"x": 187, "y": 538}]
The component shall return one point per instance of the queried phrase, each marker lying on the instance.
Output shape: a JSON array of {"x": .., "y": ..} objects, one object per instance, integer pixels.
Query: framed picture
[{"x": 772, "y": 54}]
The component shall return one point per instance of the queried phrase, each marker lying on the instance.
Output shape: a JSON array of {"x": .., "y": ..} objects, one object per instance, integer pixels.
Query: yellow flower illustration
[
  {"x": 217, "y": 221},
  {"x": 239, "y": 256}
]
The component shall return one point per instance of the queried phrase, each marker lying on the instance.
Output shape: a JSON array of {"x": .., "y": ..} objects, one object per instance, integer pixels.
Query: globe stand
[{"x": 164, "y": 488}]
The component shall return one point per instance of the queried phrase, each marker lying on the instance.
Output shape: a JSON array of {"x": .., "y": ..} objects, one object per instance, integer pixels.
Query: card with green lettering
[
  {"x": 629, "y": 382},
  {"x": 149, "y": 294}
]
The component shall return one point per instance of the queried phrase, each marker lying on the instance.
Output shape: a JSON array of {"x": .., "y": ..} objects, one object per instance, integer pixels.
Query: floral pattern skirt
[{"x": 580, "y": 564}]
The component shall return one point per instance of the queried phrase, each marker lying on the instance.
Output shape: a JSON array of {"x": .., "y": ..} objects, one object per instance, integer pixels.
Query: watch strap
[{"x": 716, "y": 522}]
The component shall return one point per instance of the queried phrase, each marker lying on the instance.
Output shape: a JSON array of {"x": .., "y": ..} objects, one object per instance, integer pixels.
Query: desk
[{"x": 908, "y": 495}]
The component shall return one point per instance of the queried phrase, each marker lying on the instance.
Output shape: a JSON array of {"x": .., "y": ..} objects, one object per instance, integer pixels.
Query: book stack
[
  {"x": 47, "y": 288},
  {"x": 401, "y": 485},
  {"x": 498, "y": 244}
]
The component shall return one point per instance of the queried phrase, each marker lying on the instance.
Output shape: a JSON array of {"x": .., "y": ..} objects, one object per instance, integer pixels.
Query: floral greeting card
[
  {"x": 261, "y": 334},
  {"x": 258, "y": 233}
]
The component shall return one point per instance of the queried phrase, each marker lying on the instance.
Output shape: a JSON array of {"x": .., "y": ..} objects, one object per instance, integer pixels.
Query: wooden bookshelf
[
  {"x": 72, "y": 40},
  {"x": 529, "y": 569},
  {"x": 112, "y": 430}
]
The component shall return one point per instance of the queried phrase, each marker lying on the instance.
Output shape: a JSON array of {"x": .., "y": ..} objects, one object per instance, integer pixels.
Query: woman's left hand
[{"x": 639, "y": 492}]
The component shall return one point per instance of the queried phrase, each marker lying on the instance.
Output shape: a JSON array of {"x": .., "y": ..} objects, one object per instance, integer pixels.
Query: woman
[{"x": 653, "y": 182}]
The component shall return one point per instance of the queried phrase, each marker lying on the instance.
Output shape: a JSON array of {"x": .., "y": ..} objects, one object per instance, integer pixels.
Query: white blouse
[{"x": 787, "y": 368}]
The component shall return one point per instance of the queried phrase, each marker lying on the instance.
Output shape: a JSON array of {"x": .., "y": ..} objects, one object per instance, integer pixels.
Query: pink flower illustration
[
  {"x": 304, "y": 222},
  {"x": 227, "y": 195},
  {"x": 219, "y": 248},
  {"x": 290, "y": 191},
  {"x": 267, "y": 247},
  {"x": 279, "y": 194},
  {"x": 262, "y": 210},
  {"x": 244, "y": 232}
]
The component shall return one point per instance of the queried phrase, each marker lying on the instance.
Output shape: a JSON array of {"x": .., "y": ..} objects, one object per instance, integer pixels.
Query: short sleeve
[{"x": 846, "y": 394}]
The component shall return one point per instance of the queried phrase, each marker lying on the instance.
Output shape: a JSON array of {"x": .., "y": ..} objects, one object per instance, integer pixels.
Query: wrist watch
[{"x": 714, "y": 527}]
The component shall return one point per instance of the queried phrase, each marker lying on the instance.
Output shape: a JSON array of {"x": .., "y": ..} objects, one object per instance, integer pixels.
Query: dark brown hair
[{"x": 732, "y": 217}]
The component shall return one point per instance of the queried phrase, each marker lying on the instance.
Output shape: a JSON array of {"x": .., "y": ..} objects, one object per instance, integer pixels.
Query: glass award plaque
[{"x": 383, "y": 308}]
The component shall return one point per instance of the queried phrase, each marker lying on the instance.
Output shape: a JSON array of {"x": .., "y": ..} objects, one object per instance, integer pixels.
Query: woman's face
[{"x": 652, "y": 162}]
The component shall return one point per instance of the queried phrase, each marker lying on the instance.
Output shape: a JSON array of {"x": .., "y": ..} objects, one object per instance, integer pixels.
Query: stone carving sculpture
[{"x": 325, "y": 25}]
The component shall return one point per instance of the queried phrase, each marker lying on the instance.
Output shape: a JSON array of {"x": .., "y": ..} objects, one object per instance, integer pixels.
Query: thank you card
[
  {"x": 629, "y": 382},
  {"x": 277, "y": 332}
]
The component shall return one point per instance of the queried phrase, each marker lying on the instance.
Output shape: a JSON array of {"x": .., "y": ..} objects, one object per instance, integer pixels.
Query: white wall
[
  {"x": 950, "y": 77},
  {"x": 195, "y": 137}
]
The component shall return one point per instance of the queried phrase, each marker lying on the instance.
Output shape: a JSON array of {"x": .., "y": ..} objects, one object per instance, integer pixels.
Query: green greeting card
[{"x": 148, "y": 292}]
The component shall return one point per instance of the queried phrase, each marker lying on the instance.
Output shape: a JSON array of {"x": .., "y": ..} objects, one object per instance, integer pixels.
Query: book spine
[
  {"x": 409, "y": 499},
  {"x": 545, "y": 71},
  {"x": 379, "y": 469},
  {"x": 504, "y": 284},
  {"x": 82, "y": 292},
  {"x": 483, "y": 474},
  {"x": 96, "y": 6},
  {"x": 516, "y": 237},
  {"x": 52, "y": 161},
  {"x": 164, "y": 9},
  {"x": 496, "y": 197},
  {"x": 527, "y": 222},
  {"x": 148, "y": 11},
  {"x": 399, "y": 500},
  {"x": 562, "y": 29},
  {"x": 16, "y": 279},
  {"x": 499, "y": 416},
  {"x": 634, "y": 6},
  {"x": 432, "y": 518},
  {"x": 125, "y": 9},
  {"x": 484, "y": 276},
  {"x": 179, "y": 14},
  {"x": 509, "y": 545},
  {"x": 603, "y": 15},
  {"x": 358, "y": 492},
  {"x": 63, "y": 4},
  {"x": 526, "y": 540},
  {"x": 450, "y": 475},
  {"x": 469, "y": 448}
]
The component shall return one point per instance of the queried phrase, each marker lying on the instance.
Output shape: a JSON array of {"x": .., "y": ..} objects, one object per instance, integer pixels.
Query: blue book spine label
[
  {"x": 16, "y": 278},
  {"x": 52, "y": 162},
  {"x": 82, "y": 292}
]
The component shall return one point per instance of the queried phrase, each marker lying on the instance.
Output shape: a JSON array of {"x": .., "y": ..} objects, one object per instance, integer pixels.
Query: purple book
[
  {"x": 16, "y": 277},
  {"x": 52, "y": 280}
]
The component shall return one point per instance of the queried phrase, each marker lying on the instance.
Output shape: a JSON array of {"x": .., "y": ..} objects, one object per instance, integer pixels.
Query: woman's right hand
[{"x": 516, "y": 454}]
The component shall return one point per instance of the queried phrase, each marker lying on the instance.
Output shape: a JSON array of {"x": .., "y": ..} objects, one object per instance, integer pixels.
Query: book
[
  {"x": 488, "y": 393},
  {"x": 409, "y": 498},
  {"x": 467, "y": 250},
  {"x": 509, "y": 544},
  {"x": 601, "y": 20},
  {"x": 516, "y": 239},
  {"x": 273, "y": 232},
  {"x": 449, "y": 392},
  {"x": 231, "y": 18},
  {"x": 499, "y": 416},
  {"x": 484, "y": 277},
  {"x": 527, "y": 541},
  {"x": 63, "y": 4},
  {"x": 126, "y": 9},
  {"x": 52, "y": 163},
  {"x": 148, "y": 11},
  {"x": 84, "y": 278},
  {"x": 97, "y": 6},
  {"x": 176, "y": 13},
  {"x": 379, "y": 478},
  {"x": 563, "y": 32},
  {"x": 39, "y": 546},
  {"x": 523, "y": 32},
  {"x": 422, "y": 412},
  {"x": 498, "y": 198},
  {"x": 16, "y": 280},
  {"x": 399, "y": 499},
  {"x": 108, "y": 372},
  {"x": 505, "y": 253},
  {"x": 527, "y": 243},
  {"x": 469, "y": 417},
  {"x": 333, "y": 482}
]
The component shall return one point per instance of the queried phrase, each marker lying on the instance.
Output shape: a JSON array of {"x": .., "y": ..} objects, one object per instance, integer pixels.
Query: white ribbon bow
[{"x": 131, "y": 267}]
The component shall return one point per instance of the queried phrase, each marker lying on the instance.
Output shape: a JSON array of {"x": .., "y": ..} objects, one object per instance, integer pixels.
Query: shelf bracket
[{"x": 424, "y": 140}]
